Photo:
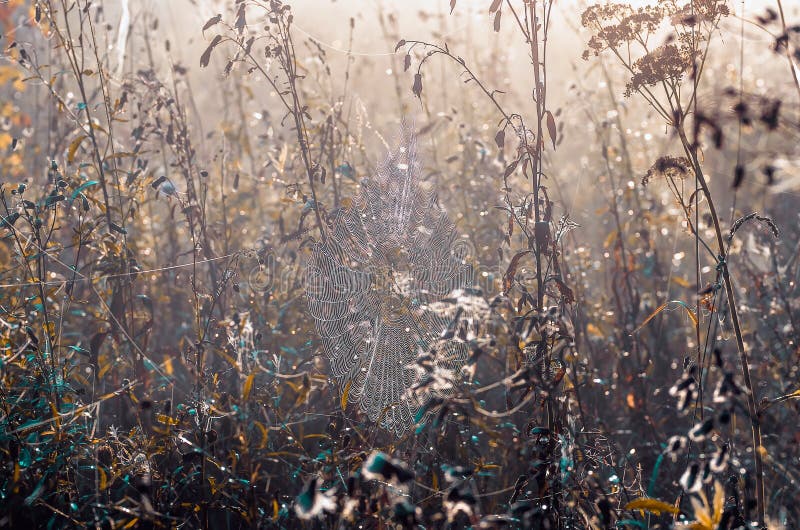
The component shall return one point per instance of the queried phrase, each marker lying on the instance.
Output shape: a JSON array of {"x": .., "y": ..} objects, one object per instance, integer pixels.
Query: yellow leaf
[
  {"x": 683, "y": 282},
  {"x": 163, "y": 418},
  {"x": 119, "y": 155},
  {"x": 264, "y": 435},
  {"x": 276, "y": 510},
  {"x": 99, "y": 127},
  {"x": 168, "y": 369},
  {"x": 230, "y": 360},
  {"x": 652, "y": 505},
  {"x": 103, "y": 478},
  {"x": 73, "y": 147},
  {"x": 105, "y": 366},
  {"x": 612, "y": 236},
  {"x": 593, "y": 330},
  {"x": 56, "y": 415},
  {"x": 346, "y": 394},
  {"x": 8, "y": 73},
  {"x": 248, "y": 386},
  {"x": 701, "y": 512}
]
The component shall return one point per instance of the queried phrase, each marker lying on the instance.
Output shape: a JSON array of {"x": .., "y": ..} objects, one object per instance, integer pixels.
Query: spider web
[{"x": 387, "y": 257}]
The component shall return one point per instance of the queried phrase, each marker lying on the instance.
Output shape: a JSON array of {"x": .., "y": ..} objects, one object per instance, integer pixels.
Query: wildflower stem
[{"x": 755, "y": 424}]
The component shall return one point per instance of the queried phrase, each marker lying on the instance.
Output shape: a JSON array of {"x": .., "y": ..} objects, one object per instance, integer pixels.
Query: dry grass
[{"x": 626, "y": 356}]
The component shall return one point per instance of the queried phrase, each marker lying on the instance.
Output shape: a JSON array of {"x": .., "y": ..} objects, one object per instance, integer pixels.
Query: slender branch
[{"x": 744, "y": 360}]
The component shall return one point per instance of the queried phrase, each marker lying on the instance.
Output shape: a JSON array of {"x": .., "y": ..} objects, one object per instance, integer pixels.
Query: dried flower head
[
  {"x": 674, "y": 167},
  {"x": 628, "y": 32},
  {"x": 616, "y": 24},
  {"x": 666, "y": 63}
]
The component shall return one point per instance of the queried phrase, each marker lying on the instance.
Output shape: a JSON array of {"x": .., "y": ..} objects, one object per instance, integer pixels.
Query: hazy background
[{"x": 499, "y": 59}]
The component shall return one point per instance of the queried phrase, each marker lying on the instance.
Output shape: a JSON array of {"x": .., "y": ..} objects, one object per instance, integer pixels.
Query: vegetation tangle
[{"x": 251, "y": 277}]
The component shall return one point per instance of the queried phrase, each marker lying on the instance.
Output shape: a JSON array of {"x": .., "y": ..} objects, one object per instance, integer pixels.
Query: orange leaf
[
  {"x": 652, "y": 505},
  {"x": 551, "y": 127},
  {"x": 663, "y": 307},
  {"x": 248, "y": 386},
  {"x": 346, "y": 394}
]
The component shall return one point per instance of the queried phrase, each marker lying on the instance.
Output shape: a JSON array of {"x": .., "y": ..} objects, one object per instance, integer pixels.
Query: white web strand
[{"x": 369, "y": 286}]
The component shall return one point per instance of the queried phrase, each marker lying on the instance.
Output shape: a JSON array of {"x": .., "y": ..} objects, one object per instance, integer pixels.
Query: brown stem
[
  {"x": 70, "y": 49},
  {"x": 753, "y": 412},
  {"x": 788, "y": 53},
  {"x": 538, "y": 90}
]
